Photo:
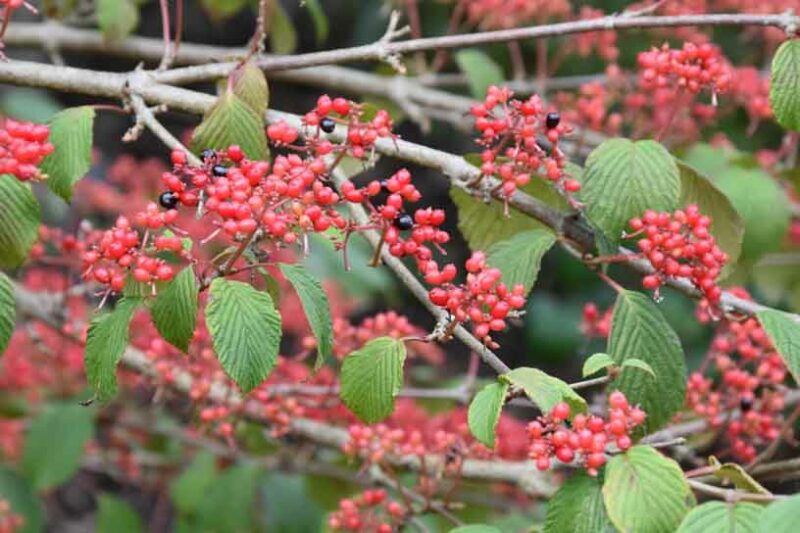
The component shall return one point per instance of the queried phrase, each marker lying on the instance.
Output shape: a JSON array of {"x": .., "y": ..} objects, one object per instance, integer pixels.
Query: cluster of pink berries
[
  {"x": 120, "y": 251},
  {"x": 503, "y": 14},
  {"x": 350, "y": 337},
  {"x": 605, "y": 42},
  {"x": 680, "y": 245},
  {"x": 692, "y": 67},
  {"x": 23, "y": 146},
  {"x": 9, "y": 520},
  {"x": 286, "y": 199},
  {"x": 361, "y": 132},
  {"x": 520, "y": 140},
  {"x": 484, "y": 299},
  {"x": 371, "y": 511},
  {"x": 751, "y": 380},
  {"x": 595, "y": 323},
  {"x": 586, "y": 437}
]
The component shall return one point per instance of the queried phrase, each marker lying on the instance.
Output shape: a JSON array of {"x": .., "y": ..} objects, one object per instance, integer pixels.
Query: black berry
[
  {"x": 208, "y": 155},
  {"x": 552, "y": 120},
  {"x": 746, "y": 404},
  {"x": 404, "y": 221},
  {"x": 168, "y": 200},
  {"x": 327, "y": 125},
  {"x": 384, "y": 185},
  {"x": 219, "y": 171}
]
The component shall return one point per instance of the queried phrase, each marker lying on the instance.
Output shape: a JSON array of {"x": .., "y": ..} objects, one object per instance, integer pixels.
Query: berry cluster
[
  {"x": 9, "y": 520},
  {"x": 594, "y": 323},
  {"x": 680, "y": 245},
  {"x": 750, "y": 379},
  {"x": 23, "y": 146},
  {"x": 363, "y": 128},
  {"x": 484, "y": 299},
  {"x": 349, "y": 337},
  {"x": 120, "y": 251},
  {"x": 503, "y": 14},
  {"x": 605, "y": 42},
  {"x": 692, "y": 67},
  {"x": 586, "y": 437},
  {"x": 520, "y": 139},
  {"x": 370, "y": 511},
  {"x": 589, "y": 108}
]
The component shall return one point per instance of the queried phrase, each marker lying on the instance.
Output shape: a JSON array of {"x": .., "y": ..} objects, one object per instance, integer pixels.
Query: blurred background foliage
[{"x": 548, "y": 337}]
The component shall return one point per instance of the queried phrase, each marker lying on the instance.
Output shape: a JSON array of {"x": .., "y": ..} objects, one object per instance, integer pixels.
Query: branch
[
  {"x": 47, "y": 309},
  {"x": 381, "y": 50},
  {"x": 731, "y": 495},
  {"x": 416, "y": 288},
  {"x": 573, "y": 232}
]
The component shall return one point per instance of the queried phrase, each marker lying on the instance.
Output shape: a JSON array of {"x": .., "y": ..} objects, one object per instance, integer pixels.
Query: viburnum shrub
[{"x": 335, "y": 317}]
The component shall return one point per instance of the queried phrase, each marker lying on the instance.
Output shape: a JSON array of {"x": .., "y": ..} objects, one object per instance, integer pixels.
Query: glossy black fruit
[
  {"x": 219, "y": 171},
  {"x": 327, "y": 125},
  {"x": 168, "y": 200},
  {"x": 404, "y": 221},
  {"x": 552, "y": 120}
]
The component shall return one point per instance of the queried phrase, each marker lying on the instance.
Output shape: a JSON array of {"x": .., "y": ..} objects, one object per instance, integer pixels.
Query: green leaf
[
  {"x": 633, "y": 362},
  {"x": 250, "y": 85},
  {"x": 624, "y": 178},
  {"x": 245, "y": 329},
  {"x": 545, "y": 390},
  {"x": 595, "y": 363},
  {"x": 23, "y": 501},
  {"x": 480, "y": 69},
  {"x": 483, "y": 224},
  {"x": 228, "y": 504},
  {"x": 578, "y": 507},
  {"x": 231, "y": 121},
  {"x": 737, "y": 475},
  {"x": 19, "y": 221},
  {"x": 54, "y": 444},
  {"x": 33, "y": 105},
  {"x": 287, "y": 505},
  {"x": 117, "y": 18},
  {"x": 71, "y": 134},
  {"x": 763, "y": 207},
  {"x": 316, "y": 306},
  {"x": 519, "y": 258},
  {"x": 282, "y": 35},
  {"x": 319, "y": 19},
  {"x": 726, "y": 224},
  {"x": 484, "y": 412},
  {"x": 784, "y": 81},
  {"x": 174, "y": 310},
  {"x": 188, "y": 489},
  {"x": 8, "y": 311},
  {"x": 781, "y": 516},
  {"x": 475, "y": 528},
  {"x": 372, "y": 377},
  {"x": 719, "y": 517},
  {"x": 639, "y": 330},
  {"x": 117, "y": 516},
  {"x": 106, "y": 341},
  {"x": 645, "y": 491},
  {"x": 784, "y": 332}
]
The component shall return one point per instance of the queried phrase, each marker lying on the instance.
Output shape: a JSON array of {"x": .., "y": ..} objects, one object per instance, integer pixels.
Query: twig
[
  {"x": 787, "y": 429},
  {"x": 166, "y": 58},
  {"x": 732, "y": 495},
  {"x": 576, "y": 235},
  {"x": 417, "y": 289},
  {"x": 146, "y": 116}
]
